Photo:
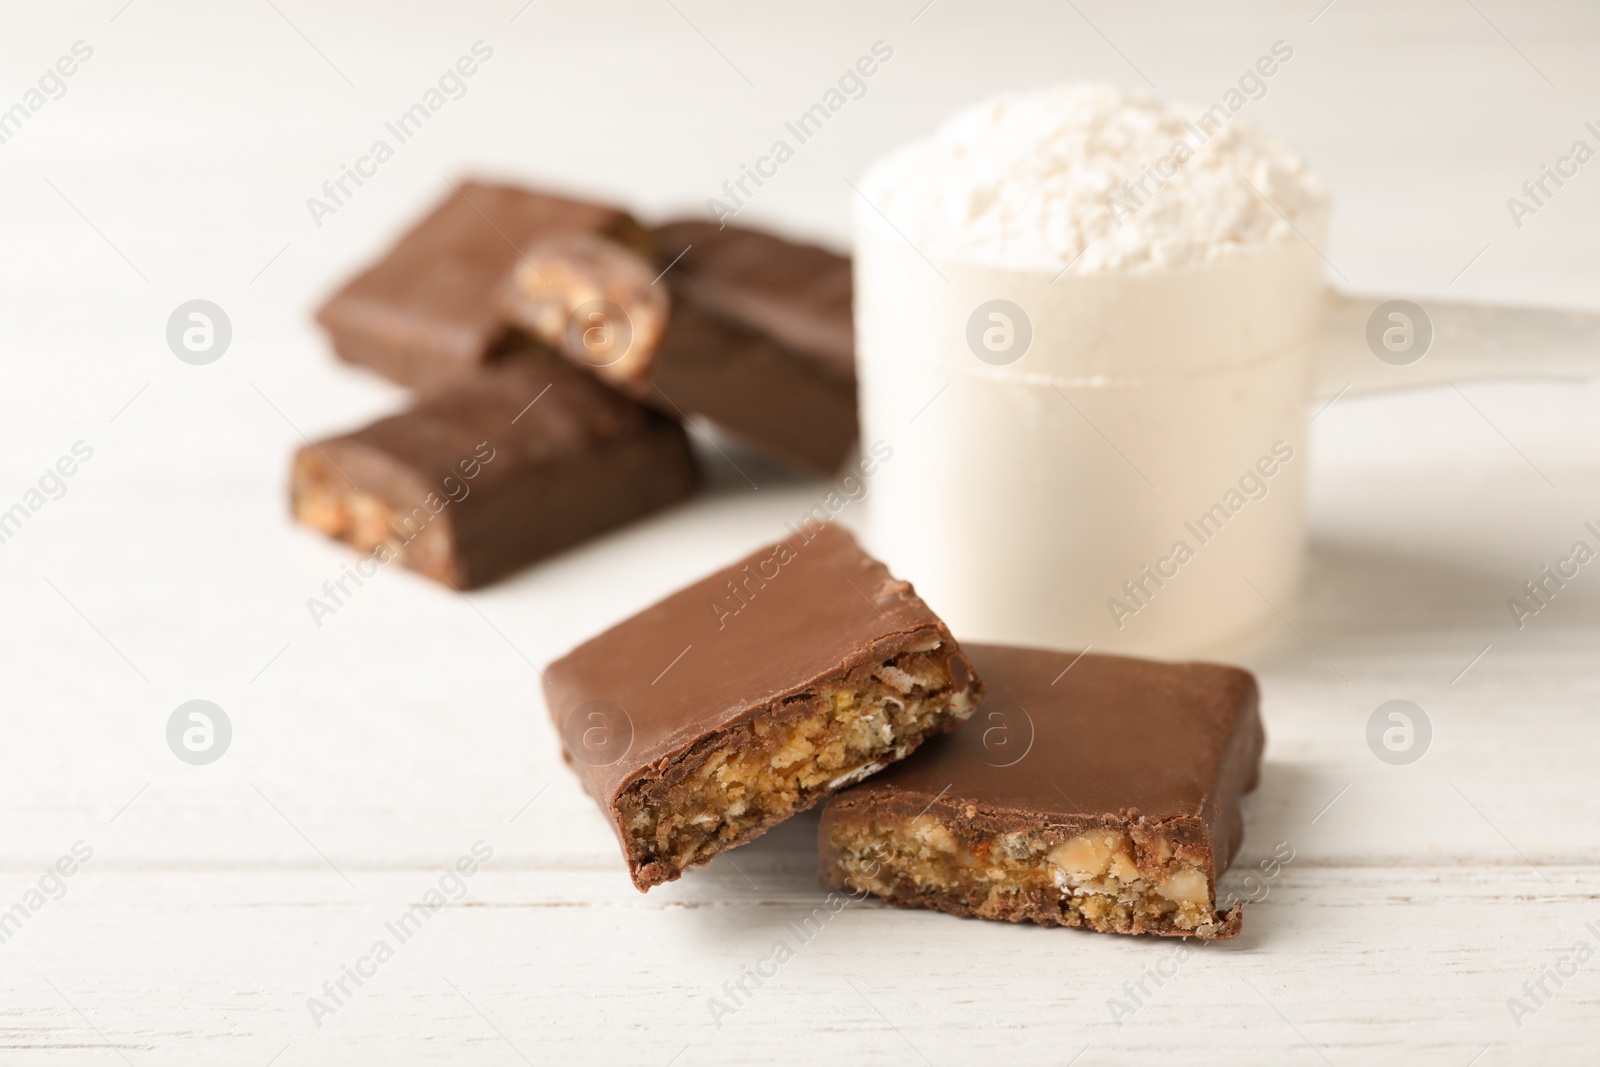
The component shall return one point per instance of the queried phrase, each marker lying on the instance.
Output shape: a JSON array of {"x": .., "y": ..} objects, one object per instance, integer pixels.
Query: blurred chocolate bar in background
[
  {"x": 428, "y": 310},
  {"x": 797, "y": 294},
  {"x": 745, "y": 328},
  {"x": 515, "y": 463}
]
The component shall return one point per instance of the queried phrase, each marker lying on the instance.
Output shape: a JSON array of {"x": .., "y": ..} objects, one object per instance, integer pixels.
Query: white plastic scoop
[
  {"x": 1467, "y": 342},
  {"x": 1118, "y": 460}
]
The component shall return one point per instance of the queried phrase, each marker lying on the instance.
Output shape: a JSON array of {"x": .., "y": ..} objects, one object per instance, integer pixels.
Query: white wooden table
[{"x": 371, "y": 753}]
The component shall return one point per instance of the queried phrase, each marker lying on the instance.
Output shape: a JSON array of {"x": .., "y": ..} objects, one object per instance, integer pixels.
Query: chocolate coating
[
  {"x": 755, "y": 388},
  {"x": 762, "y": 340},
  {"x": 1113, "y": 732},
  {"x": 797, "y": 294},
  {"x": 429, "y": 310}
]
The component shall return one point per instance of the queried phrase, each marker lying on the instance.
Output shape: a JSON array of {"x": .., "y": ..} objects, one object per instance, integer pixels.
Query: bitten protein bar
[
  {"x": 1094, "y": 791},
  {"x": 429, "y": 310},
  {"x": 752, "y": 694},
  {"x": 511, "y": 465}
]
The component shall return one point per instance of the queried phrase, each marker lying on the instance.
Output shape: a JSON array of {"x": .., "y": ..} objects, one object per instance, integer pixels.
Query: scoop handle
[{"x": 1368, "y": 344}]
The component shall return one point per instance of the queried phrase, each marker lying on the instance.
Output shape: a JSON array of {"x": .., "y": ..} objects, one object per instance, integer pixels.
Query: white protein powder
[
  {"x": 1077, "y": 377},
  {"x": 1096, "y": 177}
]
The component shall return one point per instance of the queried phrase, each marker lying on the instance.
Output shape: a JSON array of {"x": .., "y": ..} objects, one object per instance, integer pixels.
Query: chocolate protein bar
[
  {"x": 1094, "y": 791},
  {"x": 752, "y": 694},
  {"x": 745, "y": 328},
  {"x": 521, "y": 460},
  {"x": 429, "y": 310},
  {"x": 797, "y": 294}
]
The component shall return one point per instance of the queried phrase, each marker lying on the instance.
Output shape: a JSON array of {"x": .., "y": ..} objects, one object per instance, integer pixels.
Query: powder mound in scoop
[{"x": 1096, "y": 179}]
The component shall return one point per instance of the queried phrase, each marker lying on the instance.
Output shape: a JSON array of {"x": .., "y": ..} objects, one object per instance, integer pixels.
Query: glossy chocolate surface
[
  {"x": 737, "y": 642},
  {"x": 1074, "y": 742}
]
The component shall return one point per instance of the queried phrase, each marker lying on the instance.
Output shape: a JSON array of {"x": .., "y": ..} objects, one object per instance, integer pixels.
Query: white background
[{"x": 372, "y": 752}]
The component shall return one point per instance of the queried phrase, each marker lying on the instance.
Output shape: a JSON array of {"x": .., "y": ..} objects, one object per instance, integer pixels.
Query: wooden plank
[{"x": 562, "y": 966}]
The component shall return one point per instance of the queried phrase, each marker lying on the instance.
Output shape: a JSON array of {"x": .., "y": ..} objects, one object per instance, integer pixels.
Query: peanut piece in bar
[{"x": 593, "y": 300}]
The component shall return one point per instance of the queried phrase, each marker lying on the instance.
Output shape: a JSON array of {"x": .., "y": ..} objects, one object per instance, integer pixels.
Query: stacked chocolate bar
[
  {"x": 1066, "y": 790},
  {"x": 558, "y": 346}
]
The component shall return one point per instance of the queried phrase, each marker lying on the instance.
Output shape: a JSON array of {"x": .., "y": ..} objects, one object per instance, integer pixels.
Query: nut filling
[
  {"x": 1125, "y": 879},
  {"x": 328, "y": 503},
  {"x": 745, "y": 778}
]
